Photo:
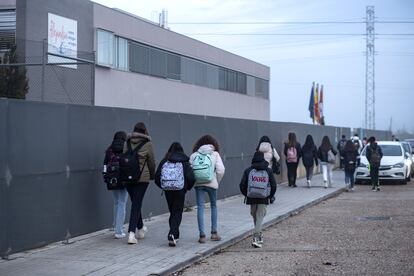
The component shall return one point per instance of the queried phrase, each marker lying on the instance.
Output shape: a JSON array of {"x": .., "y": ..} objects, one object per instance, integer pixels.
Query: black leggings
[
  {"x": 136, "y": 193},
  {"x": 175, "y": 200},
  {"x": 291, "y": 173}
]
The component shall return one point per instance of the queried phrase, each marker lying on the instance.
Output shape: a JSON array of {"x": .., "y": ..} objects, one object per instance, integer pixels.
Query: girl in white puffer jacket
[{"x": 265, "y": 146}]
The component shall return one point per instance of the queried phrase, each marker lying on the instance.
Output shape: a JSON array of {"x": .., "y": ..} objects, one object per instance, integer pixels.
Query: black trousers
[
  {"x": 136, "y": 194},
  {"x": 291, "y": 173},
  {"x": 175, "y": 201},
  {"x": 374, "y": 171},
  {"x": 309, "y": 172}
]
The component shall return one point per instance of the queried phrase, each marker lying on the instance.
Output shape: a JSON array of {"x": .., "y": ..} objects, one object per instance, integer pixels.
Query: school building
[{"x": 122, "y": 60}]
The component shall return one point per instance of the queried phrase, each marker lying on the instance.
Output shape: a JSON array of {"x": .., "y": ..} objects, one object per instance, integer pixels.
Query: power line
[
  {"x": 287, "y": 22},
  {"x": 296, "y": 34}
]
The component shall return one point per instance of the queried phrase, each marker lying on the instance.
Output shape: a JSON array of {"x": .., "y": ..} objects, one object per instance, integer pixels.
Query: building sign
[{"x": 62, "y": 39}]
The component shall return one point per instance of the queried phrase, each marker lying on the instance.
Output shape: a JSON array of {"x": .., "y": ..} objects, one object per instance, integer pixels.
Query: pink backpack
[{"x": 292, "y": 155}]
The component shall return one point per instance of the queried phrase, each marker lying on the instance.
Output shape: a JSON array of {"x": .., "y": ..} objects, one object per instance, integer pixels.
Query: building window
[
  {"x": 105, "y": 48},
  {"x": 139, "y": 56},
  {"x": 173, "y": 66},
  {"x": 7, "y": 29},
  {"x": 262, "y": 88},
  {"x": 121, "y": 53},
  {"x": 158, "y": 63}
]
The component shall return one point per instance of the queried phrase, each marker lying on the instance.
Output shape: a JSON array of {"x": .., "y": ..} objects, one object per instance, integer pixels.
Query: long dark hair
[
  {"x": 175, "y": 147},
  {"x": 309, "y": 144},
  {"x": 326, "y": 143},
  {"x": 206, "y": 140},
  {"x": 292, "y": 139},
  {"x": 262, "y": 140},
  {"x": 349, "y": 146},
  {"x": 120, "y": 135}
]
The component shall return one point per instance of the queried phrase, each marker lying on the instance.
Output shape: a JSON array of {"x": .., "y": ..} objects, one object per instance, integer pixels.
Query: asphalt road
[{"x": 356, "y": 233}]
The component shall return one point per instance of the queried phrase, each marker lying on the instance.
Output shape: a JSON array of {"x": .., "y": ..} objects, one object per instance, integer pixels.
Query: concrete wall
[
  {"x": 50, "y": 167},
  {"x": 131, "y": 90},
  {"x": 6, "y": 4}
]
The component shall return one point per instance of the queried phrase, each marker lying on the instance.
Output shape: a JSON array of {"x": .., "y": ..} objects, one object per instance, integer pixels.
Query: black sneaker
[
  {"x": 378, "y": 189},
  {"x": 373, "y": 189},
  {"x": 171, "y": 240}
]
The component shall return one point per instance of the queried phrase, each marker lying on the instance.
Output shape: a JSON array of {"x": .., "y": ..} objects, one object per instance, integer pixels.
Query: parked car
[
  {"x": 410, "y": 160},
  {"x": 411, "y": 141},
  {"x": 394, "y": 165}
]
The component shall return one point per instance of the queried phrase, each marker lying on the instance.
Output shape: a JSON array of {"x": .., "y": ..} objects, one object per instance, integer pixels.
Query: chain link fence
[{"x": 29, "y": 71}]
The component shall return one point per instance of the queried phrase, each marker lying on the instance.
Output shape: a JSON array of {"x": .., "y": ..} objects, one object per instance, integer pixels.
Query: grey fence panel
[
  {"x": 37, "y": 138},
  {"x": 56, "y": 191}
]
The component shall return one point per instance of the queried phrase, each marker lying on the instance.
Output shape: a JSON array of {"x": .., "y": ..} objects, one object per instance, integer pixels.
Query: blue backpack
[{"x": 203, "y": 168}]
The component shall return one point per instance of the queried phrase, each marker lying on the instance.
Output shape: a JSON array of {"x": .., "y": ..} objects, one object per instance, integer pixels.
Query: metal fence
[
  {"x": 51, "y": 158},
  {"x": 50, "y": 77}
]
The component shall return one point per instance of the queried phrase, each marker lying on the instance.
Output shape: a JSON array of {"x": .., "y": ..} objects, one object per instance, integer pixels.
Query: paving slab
[{"x": 99, "y": 253}]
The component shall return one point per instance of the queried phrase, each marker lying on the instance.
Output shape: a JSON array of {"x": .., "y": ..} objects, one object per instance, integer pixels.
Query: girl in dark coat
[
  {"x": 175, "y": 198},
  {"x": 309, "y": 158},
  {"x": 349, "y": 155},
  {"x": 258, "y": 206},
  {"x": 293, "y": 152},
  {"x": 326, "y": 164}
]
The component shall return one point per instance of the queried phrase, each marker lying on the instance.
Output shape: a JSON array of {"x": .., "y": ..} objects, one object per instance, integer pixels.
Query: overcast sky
[{"x": 295, "y": 61}]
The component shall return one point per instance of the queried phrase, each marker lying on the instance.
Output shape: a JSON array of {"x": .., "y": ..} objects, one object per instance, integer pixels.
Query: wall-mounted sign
[{"x": 62, "y": 39}]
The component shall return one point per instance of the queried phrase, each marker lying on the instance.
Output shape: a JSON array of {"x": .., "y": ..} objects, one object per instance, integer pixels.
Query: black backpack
[
  {"x": 129, "y": 164},
  {"x": 375, "y": 157},
  {"x": 112, "y": 173}
]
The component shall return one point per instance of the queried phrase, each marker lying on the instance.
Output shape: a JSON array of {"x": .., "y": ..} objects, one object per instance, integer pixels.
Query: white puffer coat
[{"x": 266, "y": 148}]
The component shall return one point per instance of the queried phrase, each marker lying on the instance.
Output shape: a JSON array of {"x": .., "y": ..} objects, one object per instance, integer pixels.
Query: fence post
[
  {"x": 44, "y": 57},
  {"x": 93, "y": 77}
]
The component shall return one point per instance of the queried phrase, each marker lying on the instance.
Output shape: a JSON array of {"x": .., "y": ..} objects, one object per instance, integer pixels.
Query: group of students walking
[{"x": 129, "y": 166}]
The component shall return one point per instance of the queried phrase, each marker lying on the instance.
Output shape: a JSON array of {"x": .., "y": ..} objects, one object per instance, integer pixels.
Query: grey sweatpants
[{"x": 258, "y": 212}]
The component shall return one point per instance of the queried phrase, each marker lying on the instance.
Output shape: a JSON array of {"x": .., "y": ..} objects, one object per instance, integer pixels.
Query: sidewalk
[{"x": 100, "y": 254}]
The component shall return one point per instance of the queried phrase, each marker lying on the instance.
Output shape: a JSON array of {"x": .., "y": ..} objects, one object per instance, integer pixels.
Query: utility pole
[{"x": 370, "y": 70}]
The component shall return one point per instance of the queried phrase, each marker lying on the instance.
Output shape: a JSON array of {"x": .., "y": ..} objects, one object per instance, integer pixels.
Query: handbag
[{"x": 275, "y": 166}]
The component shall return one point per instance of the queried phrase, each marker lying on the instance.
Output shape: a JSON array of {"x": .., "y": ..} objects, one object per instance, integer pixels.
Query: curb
[{"x": 244, "y": 235}]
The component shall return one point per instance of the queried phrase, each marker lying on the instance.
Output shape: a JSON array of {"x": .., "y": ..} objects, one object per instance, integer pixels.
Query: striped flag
[
  {"x": 317, "y": 115},
  {"x": 322, "y": 118},
  {"x": 312, "y": 103}
]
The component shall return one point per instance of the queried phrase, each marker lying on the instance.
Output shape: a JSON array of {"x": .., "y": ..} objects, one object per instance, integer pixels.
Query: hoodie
[
  {"x": 269, "y": 152},
  {"x": 258, "y": 163},
  {"x": 218, "y": 165},
  {"x": 178, "y": 157}
]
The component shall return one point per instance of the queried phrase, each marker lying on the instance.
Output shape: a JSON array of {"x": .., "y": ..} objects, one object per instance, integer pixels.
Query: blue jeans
[
  {"x": 120, "y": 200},
  {"x": 349, "y": 178},
  {"x": 212, "y": 194}
]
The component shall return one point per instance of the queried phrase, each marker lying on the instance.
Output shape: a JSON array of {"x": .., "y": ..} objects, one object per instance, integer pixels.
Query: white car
[{"x": 394, "y": 165}]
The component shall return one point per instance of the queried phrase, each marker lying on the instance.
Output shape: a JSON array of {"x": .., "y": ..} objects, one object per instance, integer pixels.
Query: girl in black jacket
[
  {"x": 258, "y": 205},
  {"x": 349, "y": 154},
  {"x": 175, "y": 168},
  {"x": 326, "y": 164},
  {"x": 309, "y": 158}
]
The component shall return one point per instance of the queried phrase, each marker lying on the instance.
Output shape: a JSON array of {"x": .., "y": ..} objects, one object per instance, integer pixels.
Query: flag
[
  {"x": 317, "y": 117},
  {"x": 322, "y": 118},
  {"x": 312, "y": 104}
]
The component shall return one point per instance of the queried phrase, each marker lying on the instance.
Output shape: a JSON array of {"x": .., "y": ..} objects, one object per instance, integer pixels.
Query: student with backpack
[
  {"x": 327, "y": 158},
  {"x": 293, "y": 153},
  {"x": 258, "y": 185},
  {"x": 309, "y": 158},
  {"x": 137, "y": 169},
  {"x": 113, "y": 181},
  {"x": 374, "y": 156},
  {"x": 341, "y": 147},
  {"x": 175, "y": 177},
  {"x": 208, "y": 170},
  {"x": 349, "y": 155}
]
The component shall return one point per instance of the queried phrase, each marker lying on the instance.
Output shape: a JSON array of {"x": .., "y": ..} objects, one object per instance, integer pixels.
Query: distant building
[{"x": 139, "y": 64}]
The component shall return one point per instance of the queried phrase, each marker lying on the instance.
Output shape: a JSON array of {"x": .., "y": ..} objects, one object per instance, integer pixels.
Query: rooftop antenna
[{"x": 163, "y": 19}]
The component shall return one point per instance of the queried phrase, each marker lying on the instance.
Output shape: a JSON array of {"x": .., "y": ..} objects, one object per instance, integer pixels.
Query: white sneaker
[
  {"x": 309, "y": 183},
  {"x": 325, "y": 184},
  {"x": 120, "y": 236},
  {"x": 141, "y": 232},
  {"x": 131, "y": 238}
]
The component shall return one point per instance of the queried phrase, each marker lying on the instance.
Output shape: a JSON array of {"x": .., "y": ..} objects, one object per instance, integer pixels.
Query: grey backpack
[{"x": 258, "y": 185}]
